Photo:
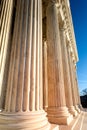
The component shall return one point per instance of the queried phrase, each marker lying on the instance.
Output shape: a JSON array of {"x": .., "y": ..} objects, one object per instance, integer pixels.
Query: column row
[{"x": 62, "y": 89}]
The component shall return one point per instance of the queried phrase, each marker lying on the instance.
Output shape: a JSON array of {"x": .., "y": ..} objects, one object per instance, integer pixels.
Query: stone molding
[{"x": 64, "y": 11}]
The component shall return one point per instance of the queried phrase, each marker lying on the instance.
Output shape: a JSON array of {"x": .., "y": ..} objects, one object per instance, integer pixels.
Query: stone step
[
  {"x": 74, "y": 125},
  {"x": 79, "y": 124},
  {"x": 84, "y": 124}
]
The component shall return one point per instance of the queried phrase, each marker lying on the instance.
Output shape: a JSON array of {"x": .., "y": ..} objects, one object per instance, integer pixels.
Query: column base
[
  {"x": 59, "y": 115},
  {"x": 45, "y": 109},
  {"x": 77, "y": 109},
  {"x": 73, "y": 111},
  {"x": 35, "y": 120},
  {"x": 80, "y": 107},
  {"x": 54, "y": 127}
]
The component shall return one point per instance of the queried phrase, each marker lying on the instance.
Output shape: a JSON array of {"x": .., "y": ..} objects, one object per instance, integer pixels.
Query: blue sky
[{"x": 79, "y": 16}]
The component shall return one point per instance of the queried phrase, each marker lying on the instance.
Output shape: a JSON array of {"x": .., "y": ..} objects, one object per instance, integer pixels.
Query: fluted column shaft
[
  {"x": 6, "y": 9},
  {"x": 45, "y": 76},
  {"x": 57, "y": 110},
  {"x": 78, "y": 95},
  {"x": 79, "y": 102},
  {"x": 66, "y": 73},
  {"x": 75, "y": 85},
  {"x": 24, "y": 96},
  {"x": 24, "y": 72},
  {"x": 5, "y": 23},
  {"x": 71, "y": 76},
  {"x": 75, "y": 82}
]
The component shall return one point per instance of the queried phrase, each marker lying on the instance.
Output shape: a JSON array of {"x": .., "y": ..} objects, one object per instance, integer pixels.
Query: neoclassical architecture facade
[{"x": 38, "y": 56}]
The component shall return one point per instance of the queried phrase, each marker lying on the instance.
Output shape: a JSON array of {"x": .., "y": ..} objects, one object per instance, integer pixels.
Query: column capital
[{"x": 53, "y": 2}]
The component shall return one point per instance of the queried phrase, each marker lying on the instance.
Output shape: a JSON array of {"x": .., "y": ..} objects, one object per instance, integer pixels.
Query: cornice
[{"x": 68, "y": 21}]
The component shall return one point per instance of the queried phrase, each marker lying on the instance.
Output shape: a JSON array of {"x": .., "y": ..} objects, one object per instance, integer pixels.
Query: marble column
[
  {"x": 45, "y": 77},
  {"x": 24, "y": 95},
  {"x": 6, "y": 8},
  {"x": 5, "y": 24},
  {"x": 75, "y": 85},
  {"x": 72, "y": 76},
  {"x": 66, "y": 73},
  {"x": 79, "y": 101},
  {"x": 57, "y": 110}
]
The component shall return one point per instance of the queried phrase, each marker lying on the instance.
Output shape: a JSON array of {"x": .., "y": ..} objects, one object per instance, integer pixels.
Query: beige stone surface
[
  {"x": 72, "y": 79},
  {"x": 23, "y": 108},
  {"x": 57, "y": 110},
  {"x": 79, "y": 123},
  {"x": 84, "y": 122},
  {"x": 5, "y": 29},
  {"x": 54, "y": 127},
  {"x": 66, "y": 74},
  {"x": 74, "y": 125},
  {"x": 45, "y": 77},
  {"x": 40, "y": 75}
]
